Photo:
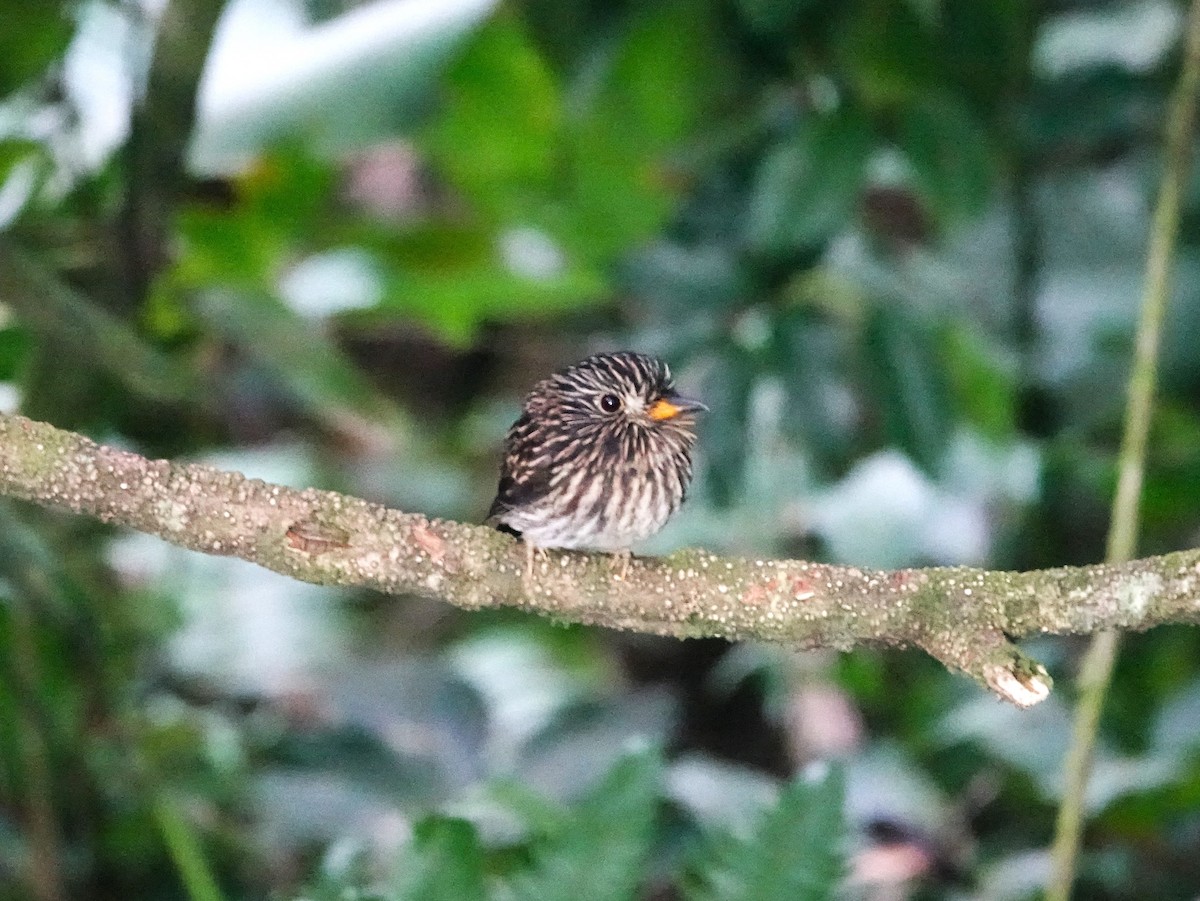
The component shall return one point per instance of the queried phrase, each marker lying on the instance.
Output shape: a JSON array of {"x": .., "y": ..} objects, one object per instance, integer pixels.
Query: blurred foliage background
[{"x": 897, "y": 247}]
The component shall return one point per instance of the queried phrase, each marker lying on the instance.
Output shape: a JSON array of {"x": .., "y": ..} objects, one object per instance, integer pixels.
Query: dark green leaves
[
  {"x": 794, "y": 853},
  {"x": 595, "y": 851},
  {"x": 32, "y": 36},
  {"x": 889, "y": 52},
  {"x": 656, "y": 87},
  {"x": 950, "y": 156},
  {"x": 443, "y": 863},
  {"x": 585, "y": 156},
  {"x": 807, "y": 187},
  {"x": 599, "y": 849},
  {"x": 495, "y": 138},
  {"x": 599, "y": 853},
  {"x": 767, "y": 16},
  {"x": 812, "y": 353},
  {"x": 909, "y": 385}
]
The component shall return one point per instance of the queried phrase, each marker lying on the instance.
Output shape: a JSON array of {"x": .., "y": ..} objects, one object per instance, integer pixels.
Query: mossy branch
[{"x": 964, "y": 617}]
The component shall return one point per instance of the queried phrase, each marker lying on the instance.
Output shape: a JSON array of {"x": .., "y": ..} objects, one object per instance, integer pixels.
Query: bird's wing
[{"x": 525, "y": 473}]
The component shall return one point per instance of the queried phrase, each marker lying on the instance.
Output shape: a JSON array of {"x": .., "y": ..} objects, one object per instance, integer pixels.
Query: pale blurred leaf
[{"x": 339, "y": 85}]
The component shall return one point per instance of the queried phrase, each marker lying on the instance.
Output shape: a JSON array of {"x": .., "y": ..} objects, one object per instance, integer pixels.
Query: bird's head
[{"x": 626, "y": 390}]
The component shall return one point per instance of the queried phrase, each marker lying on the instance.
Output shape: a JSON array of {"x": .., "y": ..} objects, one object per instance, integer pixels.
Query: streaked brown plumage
[{"x": 600, "y": 457}]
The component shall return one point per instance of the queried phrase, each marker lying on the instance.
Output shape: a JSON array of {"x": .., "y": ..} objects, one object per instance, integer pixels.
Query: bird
[{"x": 599, "y": 459}]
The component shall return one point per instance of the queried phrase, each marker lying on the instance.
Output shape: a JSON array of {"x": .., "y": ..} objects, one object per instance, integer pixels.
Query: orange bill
[{"x": 670, "y": 407}]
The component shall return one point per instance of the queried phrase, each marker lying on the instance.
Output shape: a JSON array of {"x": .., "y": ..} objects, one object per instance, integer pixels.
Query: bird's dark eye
[{"x": 610, "y": 403}]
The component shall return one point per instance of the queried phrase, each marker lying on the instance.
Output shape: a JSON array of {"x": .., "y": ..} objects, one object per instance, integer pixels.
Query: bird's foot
[
  {"x": 531, "y": 551},
  {"x": 620, "y": 563}
]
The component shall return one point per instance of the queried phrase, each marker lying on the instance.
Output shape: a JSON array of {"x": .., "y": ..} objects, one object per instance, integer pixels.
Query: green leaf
[
  {"x": 364, "y": 761},
  {"x": 34, "y": 34},
  {"x": 768, "y": 16},
  {"x": 889, "y": 54},
  {"x": 987, "y": 48},
  {"x": 13, "y": 151},
  {"x": 664, "y": 77},
  {"x": 443, "y": 863},
  {"x": 15, "y": 154},
  {"x": 496, "y": 135},
  {"x": 949, "y": 153},
  {"x": 727, "y": 390},
  {"x": 794, "y": 854},
  {"x": 807, "y": 187},
  {"x": 599, "y": 852},
  {"x": 1089, "y": 113},
  {"x": 16, "y": 344},
  {"x": 985, "y": 391},
  {"x": 280, "y": 209},
  {"x": 907, "y": 379},
  {"x": 590, "y": 173},
  {"x": 185, "y": 847},
  {"x": 810, "y": 354},
  {"x": 454, "y": 279}
]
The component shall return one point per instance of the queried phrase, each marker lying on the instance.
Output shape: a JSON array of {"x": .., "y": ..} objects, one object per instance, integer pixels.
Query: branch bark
[{"x": 964, "y": 617}]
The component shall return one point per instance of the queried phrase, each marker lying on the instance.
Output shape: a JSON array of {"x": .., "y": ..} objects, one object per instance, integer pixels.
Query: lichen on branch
[{"x": 964, "y": 617}]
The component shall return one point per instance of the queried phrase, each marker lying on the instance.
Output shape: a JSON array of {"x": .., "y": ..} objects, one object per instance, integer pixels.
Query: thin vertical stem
[
  {"x": 185, "y": 849},
  {"x": 1097, "y": 667}
]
